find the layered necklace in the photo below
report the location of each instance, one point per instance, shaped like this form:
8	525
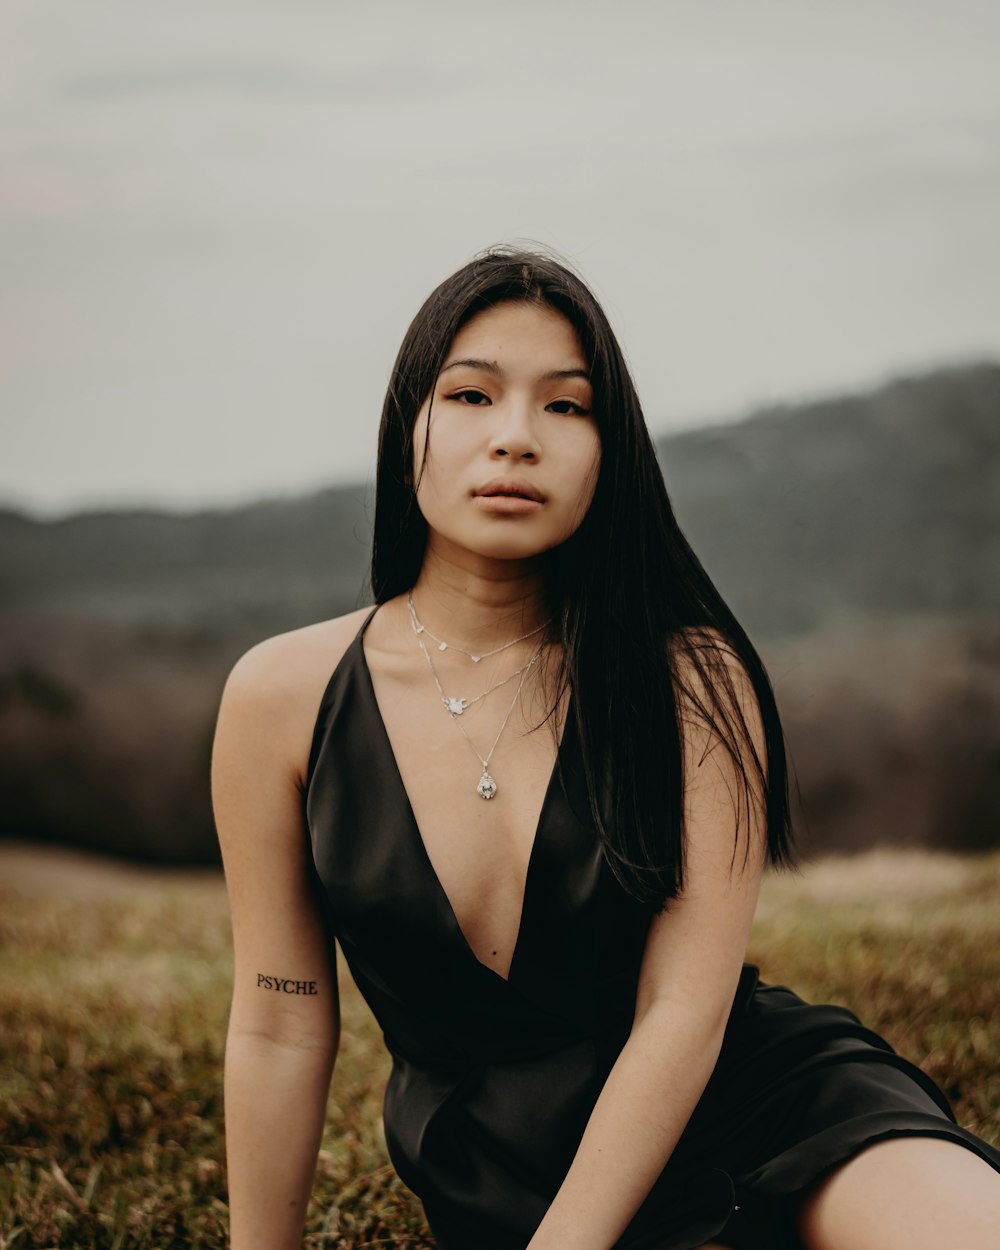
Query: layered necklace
455	706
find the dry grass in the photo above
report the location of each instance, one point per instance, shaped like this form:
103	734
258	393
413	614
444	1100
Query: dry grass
114	987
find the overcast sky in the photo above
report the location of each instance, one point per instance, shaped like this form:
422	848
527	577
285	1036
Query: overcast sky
217	217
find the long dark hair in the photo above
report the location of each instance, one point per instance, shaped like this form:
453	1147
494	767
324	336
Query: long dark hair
636	616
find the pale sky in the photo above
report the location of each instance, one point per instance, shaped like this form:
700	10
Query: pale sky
217	218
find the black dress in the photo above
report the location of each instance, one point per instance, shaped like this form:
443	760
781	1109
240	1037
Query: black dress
493	1079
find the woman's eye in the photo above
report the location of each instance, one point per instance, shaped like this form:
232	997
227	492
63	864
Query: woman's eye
566	406
476	398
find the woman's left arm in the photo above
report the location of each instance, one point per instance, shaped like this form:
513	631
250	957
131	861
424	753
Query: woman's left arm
690	969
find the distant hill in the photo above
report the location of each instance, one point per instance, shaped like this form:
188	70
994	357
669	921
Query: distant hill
888	502
857	538
274	560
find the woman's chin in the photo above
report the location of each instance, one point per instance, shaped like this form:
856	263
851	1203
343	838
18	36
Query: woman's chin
516	547
508	551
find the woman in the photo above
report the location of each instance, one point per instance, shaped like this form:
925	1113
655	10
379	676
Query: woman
533	803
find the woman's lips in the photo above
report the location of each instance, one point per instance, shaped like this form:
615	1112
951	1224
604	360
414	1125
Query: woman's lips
509	505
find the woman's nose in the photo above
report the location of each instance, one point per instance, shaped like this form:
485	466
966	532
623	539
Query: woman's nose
514	434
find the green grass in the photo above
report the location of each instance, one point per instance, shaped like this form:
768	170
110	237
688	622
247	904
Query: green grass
114	1013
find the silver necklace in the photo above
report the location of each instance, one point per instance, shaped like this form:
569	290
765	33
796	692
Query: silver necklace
454	704
420	628
487	786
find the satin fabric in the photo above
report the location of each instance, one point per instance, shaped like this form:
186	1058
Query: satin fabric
493	1080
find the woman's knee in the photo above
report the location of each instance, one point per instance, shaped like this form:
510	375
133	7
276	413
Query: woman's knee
905	1192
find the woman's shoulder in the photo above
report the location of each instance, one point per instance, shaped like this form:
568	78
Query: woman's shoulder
279	682
709	644
710	672
278	659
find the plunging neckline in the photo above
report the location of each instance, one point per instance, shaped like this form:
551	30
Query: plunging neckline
421	845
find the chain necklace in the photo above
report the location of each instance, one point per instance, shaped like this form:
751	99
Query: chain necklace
456	706
420	628
487	786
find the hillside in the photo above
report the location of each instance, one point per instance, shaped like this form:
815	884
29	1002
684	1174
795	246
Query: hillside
880	503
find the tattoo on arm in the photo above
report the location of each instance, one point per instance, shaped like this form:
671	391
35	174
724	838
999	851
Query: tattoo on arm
283	985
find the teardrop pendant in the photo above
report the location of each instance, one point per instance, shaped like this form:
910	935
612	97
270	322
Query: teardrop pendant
487	787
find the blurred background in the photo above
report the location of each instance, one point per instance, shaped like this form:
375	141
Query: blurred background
217	219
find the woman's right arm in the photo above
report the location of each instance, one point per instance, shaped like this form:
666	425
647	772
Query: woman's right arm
285	1018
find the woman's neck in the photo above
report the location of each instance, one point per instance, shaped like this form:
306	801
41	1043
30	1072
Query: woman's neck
478	605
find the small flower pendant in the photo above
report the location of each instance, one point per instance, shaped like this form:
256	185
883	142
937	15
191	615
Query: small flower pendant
487	786
455	706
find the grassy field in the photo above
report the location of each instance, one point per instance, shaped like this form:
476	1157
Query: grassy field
114	987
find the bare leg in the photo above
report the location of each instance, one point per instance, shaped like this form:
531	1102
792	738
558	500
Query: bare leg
907	1193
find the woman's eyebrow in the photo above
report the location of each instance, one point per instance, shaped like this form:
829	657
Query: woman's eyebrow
488	366
556	374
491	366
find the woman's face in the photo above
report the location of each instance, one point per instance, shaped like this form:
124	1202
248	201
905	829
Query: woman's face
514	450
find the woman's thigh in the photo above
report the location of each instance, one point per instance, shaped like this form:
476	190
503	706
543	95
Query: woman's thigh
906	1193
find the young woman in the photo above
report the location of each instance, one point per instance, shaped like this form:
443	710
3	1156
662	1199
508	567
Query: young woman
532	792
